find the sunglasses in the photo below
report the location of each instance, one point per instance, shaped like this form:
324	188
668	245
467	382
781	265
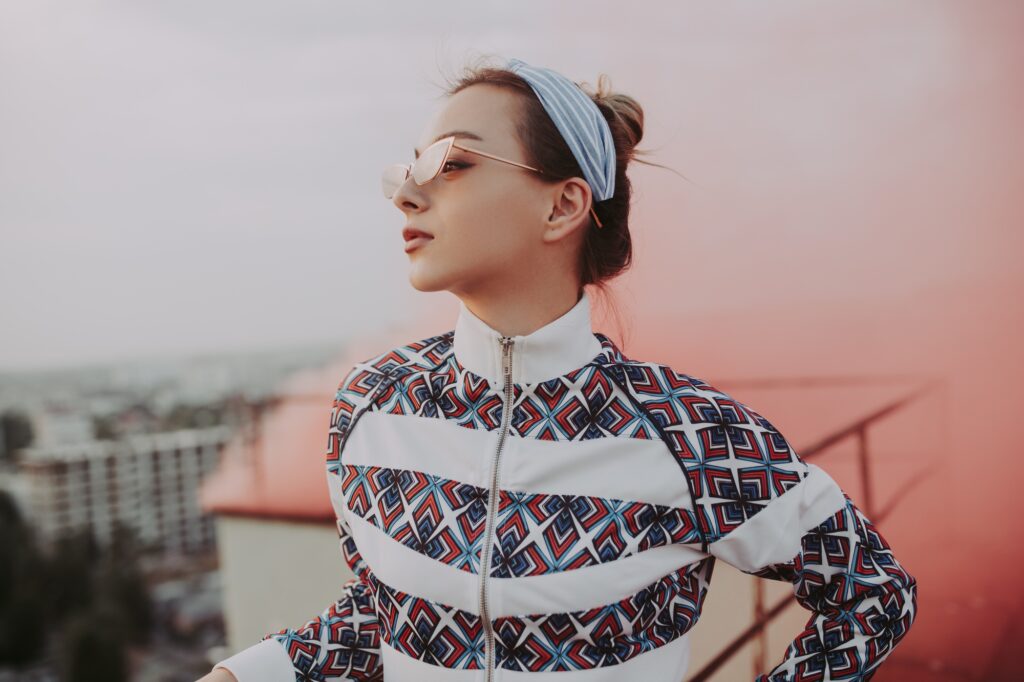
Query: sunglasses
428	165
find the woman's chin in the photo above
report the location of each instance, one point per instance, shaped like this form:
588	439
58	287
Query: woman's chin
423	280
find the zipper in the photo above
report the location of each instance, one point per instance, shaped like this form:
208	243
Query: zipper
492	503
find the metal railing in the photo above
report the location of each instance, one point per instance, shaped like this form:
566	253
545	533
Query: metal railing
857	430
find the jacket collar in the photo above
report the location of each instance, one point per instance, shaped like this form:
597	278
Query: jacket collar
560	346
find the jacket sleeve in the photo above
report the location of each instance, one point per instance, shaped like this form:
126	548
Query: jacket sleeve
343	642
863	601
772	515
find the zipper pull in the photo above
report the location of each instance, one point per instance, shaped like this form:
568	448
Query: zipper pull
506	360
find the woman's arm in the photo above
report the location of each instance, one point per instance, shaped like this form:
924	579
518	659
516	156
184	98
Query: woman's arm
772	515
863	600
342	643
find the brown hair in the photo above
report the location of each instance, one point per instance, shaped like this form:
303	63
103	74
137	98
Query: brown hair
607	251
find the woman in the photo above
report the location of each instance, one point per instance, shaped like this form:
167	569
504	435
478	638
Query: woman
597	490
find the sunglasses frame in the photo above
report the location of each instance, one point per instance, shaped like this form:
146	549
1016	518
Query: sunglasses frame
450	144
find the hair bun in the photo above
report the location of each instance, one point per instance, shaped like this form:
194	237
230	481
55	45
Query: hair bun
624	114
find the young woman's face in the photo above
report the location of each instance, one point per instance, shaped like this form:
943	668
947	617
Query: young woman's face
486	217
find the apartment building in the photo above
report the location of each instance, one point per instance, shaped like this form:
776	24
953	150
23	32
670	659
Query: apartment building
149	483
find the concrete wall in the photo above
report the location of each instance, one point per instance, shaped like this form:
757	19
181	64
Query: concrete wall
276	574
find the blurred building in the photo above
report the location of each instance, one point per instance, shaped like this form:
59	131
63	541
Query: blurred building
149	483
60	425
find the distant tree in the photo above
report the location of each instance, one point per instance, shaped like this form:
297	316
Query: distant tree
207	415
95	599
15	432
71	566
91	648
186	416
103	428
178	417
23	589
120	581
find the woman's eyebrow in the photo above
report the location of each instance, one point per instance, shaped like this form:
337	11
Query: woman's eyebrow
456	133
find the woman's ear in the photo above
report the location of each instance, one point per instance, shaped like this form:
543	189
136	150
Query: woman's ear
569	208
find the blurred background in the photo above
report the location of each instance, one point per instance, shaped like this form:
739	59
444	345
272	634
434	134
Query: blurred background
194	249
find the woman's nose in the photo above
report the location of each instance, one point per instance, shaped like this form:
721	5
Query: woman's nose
408	196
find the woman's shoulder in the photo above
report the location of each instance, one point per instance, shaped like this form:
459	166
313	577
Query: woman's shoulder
396	361
684	396
656	375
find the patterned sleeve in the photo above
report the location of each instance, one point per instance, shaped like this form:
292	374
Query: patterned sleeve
769	513
343	642
863	600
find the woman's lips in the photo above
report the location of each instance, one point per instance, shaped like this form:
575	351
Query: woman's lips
416	242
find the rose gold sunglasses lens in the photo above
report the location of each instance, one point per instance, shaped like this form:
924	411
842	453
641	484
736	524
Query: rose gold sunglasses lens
393	178
429	162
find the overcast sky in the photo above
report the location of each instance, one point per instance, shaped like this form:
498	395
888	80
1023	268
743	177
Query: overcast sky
183	176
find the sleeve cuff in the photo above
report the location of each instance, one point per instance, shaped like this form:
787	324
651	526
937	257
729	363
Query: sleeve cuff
263	662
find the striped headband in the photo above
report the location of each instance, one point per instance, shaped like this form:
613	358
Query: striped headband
579	121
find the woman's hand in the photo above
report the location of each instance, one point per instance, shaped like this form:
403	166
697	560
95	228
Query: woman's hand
218	675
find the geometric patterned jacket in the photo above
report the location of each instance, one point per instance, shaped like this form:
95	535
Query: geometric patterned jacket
542	507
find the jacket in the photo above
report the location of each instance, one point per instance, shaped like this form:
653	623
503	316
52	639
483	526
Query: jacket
598	491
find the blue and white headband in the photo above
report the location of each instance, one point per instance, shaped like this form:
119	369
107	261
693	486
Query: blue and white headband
579	120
